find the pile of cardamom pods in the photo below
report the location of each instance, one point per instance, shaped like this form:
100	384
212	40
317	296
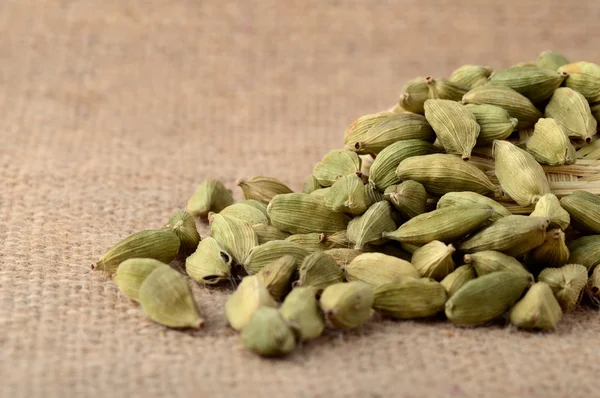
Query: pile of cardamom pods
474	197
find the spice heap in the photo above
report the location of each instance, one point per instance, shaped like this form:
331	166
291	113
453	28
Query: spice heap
474	197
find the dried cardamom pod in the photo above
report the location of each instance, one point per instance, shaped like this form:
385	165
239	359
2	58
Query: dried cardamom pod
442	173
363	124
320	193
154	243
211	195
347	305
277	276
268	334
299	213
446	224
183	225
537	84
537	310
236	236
593	287
445	89
572	112
494	121
457	278
520	175
549	207
584	208
383	170
245	212
551	60
549	144
471	76
250	295
553	253
210	263
408	198
512	235
268	252
267	233
488	261
373	195
486	297
583	77
311	184
434	260
414	95
262	188
167	299
311	242
319	270
596	111
390	248
567	283
257	205
301	311
517	105
343	257
473	199
347	195
410	298
377	269
585	251
369	227
335	164
455	126
338	240
132	273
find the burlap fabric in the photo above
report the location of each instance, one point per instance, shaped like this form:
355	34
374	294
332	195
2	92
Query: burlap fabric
112	111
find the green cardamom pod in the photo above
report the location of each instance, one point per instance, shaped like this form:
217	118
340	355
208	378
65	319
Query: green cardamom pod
553	253
372	194
445	89
584	208
347	195
488	261
236	236
567	283
311	184
537	310
549	207
211	195
537	84
473	199
593	287
595	109
471	76
132	273
262	188
369	227
583	77
377	269
585	251
311	242
457	278
267	233
408	198
410	298
245	212
335	164
250	295
414	95
210	263
572	112
319	270
434	260
338	240
551	60
495	123
268	334
347	305
277	276
183	225
301	311
550	145
268	252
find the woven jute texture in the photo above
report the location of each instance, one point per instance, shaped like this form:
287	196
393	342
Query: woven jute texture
111	112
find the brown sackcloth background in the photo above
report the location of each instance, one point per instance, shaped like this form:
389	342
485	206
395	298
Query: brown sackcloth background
111	112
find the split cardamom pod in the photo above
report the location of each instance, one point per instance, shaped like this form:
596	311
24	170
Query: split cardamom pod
347	305
537	310
132	273
410	298
250	295
262	189
572	112
301	311
369	227
567	283
268	334
236	236
584	208
378	268
211	195
210	263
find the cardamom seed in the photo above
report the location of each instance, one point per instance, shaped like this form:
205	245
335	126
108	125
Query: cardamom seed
211	195
369	227
183	225
319	270
268	334
347	195
301	311
347	305
262	188
471	76
210	263
377	269
550	145
434	260
408	198
457	278
268	252
277	276
537	310
335	164
572	112
410	298
250	295
567	283
236	236
132	273
549	207
584	208
585	251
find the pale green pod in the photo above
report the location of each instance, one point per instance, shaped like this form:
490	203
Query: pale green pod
343	257
262	188
445	89
583	77
250	295
347	305
210	263
268	334
471	76
319	270
473	199
414	95
550	145
132	273
311	184
567	283
369	227
267	233
488	261
537	84
154	243
585	251
495	123
549	207
408	198
211	195
335	164
268	252
301	311
363	124
377	269
434	260
572	112
236	236
457	278
486	298
538	309
553	253
257	205
338	240
166	298
311	242
551	60
245	212
593	287
277	276
320	193
347	195
410	298
584	208
183	225
595	109
373	195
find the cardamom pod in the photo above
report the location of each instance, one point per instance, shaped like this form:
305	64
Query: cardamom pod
593	287
583	77
267	233
377	269
537	310
183	225
311	242
595	109
211	195
584	208
551	60
268	252
537	84
320	193
549	207
347	305
553	253
132	273
471	76
319	270
338	240
567	283
245	212
277	276
572	112
495	123
372	194
550	145
301	311
335	164
414	95
408	198
343	257
488	261
434	260
210	263
585	251
390	248
369	227
257	205
347	195
410	298
457	278
268	334
445	89
311	184
473	199
250	295
262	188
236	236
363	124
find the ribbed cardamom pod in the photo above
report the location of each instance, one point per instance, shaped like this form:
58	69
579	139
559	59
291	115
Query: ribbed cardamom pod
183	225
567	283
343	257
572	112
268	334
410	298
277	276
549	207
434	260
257	205
445	89
319	270
537	310
583	77
455	126
132	273
245	212
520	175
537	84
210	263
446	224
584	208
383	170
551	60
311	242
154	243
250	295
311	184
550	145
442	173
338	240
553	253
512	235
596	111
414	95
268	252
335	164
457	278
585	251
320	193
301	311
488	261
299	213
267	233
473	199
347	195
471	76
262	188
236	236
517	105
593	287
363	124
347	305
167	299
373	195
395	127
408	198
494	121
369	227
486	298
524	63
377	269
210	195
